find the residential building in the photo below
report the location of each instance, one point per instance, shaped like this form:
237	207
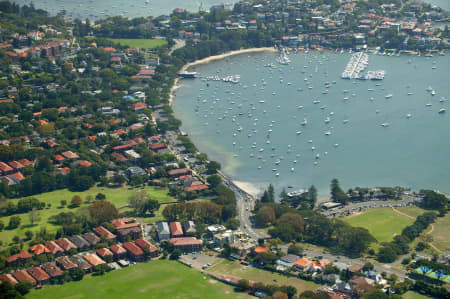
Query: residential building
91	238
52	269
187	244
134	252
8	278
94	259
23	275
303	264
54	248
175	229
127	227
104	252
189	227
81	263
288	261
66	244
81	243
39	275
19	257
224	238
65	263
142	243
39	249
118	251
162	228
101	231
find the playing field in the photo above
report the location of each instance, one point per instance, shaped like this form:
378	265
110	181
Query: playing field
382	223
118	196
413	295
236	270
155	279
140	42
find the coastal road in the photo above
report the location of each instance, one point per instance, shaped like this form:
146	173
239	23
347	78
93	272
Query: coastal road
179	43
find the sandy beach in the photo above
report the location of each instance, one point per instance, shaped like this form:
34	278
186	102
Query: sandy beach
209	59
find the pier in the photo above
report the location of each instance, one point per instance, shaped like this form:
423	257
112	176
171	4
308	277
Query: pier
358	62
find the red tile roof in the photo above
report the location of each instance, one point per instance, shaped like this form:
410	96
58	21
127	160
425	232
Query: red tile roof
53	247
23	255
157	146
38	274
18	176
185	241
16	165
122	147
109	49
119	157
66	244
175	229
144	243
39	249
180	171
70	155
124	223
8	278
22	275
260	249
101	231
5	167
25	162
59	158
93	259
85	163
52	269
117	249
132	248
65	263
196	188
103	252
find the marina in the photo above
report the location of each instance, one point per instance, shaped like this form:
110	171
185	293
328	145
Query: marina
357	64
284	123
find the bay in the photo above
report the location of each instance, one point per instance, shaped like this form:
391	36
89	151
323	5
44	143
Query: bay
411	151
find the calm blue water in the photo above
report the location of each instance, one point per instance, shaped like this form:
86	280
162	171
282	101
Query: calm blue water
95	9
445	4
359	151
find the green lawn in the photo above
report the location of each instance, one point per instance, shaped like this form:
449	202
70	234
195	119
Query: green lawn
118	196
413	295
382	223
413	211
441	233
140	43
235	269
155	279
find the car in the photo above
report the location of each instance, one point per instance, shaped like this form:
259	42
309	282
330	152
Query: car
194	257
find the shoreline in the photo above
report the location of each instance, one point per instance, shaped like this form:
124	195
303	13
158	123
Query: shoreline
209	59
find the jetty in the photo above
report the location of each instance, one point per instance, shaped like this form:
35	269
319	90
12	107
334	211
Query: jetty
358	62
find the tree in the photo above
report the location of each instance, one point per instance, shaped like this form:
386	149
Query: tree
368	266
265	258
386	254
103	211
375	294
337	194
77	274
24	287
100	196
279	295
433	200
212	167
271	193
294	220
214	180
29	234
175	254
243	285
2	225
7	291
265	216
311	197
63	203
34	216
294	249
76	201
14	222
290	291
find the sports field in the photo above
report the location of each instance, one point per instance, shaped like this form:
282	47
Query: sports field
382	223
236	270
441	233
155	279
118	196
140	43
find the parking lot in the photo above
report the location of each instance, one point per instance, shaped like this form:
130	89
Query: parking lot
198	260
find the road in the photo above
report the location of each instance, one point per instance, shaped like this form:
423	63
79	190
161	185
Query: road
179	43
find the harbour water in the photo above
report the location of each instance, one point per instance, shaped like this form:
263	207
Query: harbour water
100	9
301	124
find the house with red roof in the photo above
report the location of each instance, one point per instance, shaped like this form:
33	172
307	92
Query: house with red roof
175	229
5	169
59	159
65	263
119	157
16	165
66	244
157	147
303	264
19	257
260	249
23	275
104	252
84	163
134	252
127	227
103	232
118	251
8	278
94	259
39	275
142	243
179	172
54	248
25	162
70	155
139	106
39	249
52	270
187	244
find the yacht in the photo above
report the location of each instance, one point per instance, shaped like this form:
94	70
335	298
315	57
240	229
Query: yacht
388	96
384	125
298	132
428	104
433	93
409	115
442	110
